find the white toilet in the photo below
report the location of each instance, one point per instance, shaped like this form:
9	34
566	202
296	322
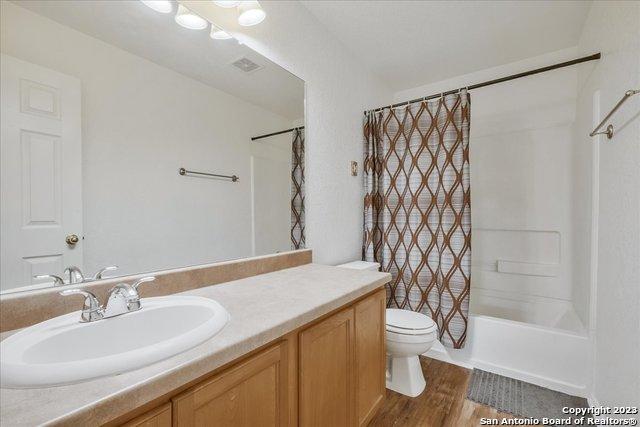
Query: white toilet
409	334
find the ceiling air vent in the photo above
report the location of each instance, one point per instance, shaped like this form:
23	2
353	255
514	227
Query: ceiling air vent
246	65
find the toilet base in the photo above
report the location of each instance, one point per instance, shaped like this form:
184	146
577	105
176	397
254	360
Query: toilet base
405	376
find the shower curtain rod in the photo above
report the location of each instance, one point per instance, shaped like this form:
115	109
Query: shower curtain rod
275	133
494	81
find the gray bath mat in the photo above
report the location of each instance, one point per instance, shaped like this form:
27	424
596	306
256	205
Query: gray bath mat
518	397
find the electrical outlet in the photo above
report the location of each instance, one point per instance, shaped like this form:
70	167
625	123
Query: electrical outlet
354	168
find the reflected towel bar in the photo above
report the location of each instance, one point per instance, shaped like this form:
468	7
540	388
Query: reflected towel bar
183	171
609	131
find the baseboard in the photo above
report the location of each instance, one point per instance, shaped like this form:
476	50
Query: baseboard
561	386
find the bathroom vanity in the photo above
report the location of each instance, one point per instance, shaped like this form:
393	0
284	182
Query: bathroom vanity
328	372
303	346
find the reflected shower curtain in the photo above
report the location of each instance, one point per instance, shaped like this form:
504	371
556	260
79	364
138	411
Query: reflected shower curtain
297	190
417	215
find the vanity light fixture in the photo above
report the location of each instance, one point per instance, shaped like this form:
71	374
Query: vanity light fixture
190	20
162	6
218	33
227	3
250	13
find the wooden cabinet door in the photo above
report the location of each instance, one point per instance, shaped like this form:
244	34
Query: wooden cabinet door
327	372
253	393
159	417
370	355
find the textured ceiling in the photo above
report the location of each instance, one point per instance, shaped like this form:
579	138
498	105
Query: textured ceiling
132	26
411	43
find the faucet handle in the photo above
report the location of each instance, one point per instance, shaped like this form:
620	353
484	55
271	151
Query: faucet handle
57	280
124	298
99	274
92	310
141	281
75	274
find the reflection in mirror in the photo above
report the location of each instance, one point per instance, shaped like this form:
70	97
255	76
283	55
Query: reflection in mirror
103	103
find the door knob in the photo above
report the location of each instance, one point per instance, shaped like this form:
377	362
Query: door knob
72	239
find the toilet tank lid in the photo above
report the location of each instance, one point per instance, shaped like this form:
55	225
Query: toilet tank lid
408	320
361	265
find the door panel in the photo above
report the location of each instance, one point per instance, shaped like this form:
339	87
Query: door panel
159	417
254	393
41	169
327	381
41	176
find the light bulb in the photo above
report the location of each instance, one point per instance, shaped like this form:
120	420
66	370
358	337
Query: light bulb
189	20
162	6
227	3
218	33
250	13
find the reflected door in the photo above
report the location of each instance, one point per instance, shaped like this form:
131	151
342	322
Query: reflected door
41	172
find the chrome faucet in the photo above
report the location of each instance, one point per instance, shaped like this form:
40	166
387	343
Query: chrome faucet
57	280
123	298
75	275
100	273
91	310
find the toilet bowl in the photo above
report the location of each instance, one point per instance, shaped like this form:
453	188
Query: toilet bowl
409	334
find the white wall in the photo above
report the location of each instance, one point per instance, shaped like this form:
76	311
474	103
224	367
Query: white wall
338	90
140	123
613	28
522	183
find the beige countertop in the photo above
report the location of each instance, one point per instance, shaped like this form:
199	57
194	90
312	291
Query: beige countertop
262	308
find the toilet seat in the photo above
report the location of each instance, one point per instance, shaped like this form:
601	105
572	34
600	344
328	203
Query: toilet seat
411	339
405	322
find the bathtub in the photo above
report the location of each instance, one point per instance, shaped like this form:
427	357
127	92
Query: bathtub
539	340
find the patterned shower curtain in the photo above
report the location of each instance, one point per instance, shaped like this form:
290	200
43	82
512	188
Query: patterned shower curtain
297	190
417	215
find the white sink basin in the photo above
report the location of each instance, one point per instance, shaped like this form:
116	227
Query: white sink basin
62	350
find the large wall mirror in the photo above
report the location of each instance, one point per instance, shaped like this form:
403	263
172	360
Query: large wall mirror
102	104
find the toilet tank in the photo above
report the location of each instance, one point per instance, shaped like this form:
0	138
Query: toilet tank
361	265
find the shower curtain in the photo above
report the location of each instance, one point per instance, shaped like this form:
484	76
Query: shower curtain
417	215
297	190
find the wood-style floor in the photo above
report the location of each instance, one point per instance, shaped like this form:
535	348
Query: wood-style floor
442	403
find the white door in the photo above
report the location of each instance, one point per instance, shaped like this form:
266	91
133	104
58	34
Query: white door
40	187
